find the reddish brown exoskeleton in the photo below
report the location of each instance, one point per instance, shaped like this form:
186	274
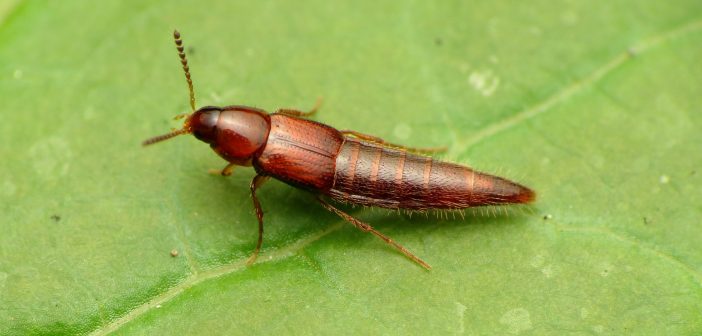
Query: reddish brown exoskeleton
347	166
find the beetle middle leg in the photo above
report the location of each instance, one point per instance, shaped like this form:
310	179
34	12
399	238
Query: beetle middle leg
380	141
298	113
257	181
367	228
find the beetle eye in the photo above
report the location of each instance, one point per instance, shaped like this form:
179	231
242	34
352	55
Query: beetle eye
209	118
203	123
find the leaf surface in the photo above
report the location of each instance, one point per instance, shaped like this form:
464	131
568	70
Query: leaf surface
595	106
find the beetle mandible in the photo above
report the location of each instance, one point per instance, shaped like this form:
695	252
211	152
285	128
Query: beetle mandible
346	166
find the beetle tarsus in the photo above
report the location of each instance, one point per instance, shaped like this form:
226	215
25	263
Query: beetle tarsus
227	171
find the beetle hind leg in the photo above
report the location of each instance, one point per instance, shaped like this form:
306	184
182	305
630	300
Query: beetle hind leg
298	113
377	140
365	227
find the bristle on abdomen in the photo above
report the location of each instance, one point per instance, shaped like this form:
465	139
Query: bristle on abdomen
370	174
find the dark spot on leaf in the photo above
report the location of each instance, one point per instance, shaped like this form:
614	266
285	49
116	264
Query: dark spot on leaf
438	41
55	218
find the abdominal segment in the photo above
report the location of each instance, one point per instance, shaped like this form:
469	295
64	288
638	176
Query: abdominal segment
374	175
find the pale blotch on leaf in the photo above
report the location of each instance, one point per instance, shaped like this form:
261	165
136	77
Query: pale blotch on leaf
664	179
569	18
402	131
537	261
547	270
460	311
89	113
584	313
598	161
484	81
51	158
516	320
3	279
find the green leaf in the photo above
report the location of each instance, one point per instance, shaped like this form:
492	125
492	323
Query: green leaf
594	105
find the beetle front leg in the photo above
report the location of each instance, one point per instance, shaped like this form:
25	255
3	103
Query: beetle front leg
257	181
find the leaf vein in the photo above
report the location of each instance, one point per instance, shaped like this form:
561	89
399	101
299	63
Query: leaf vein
198	278
645	45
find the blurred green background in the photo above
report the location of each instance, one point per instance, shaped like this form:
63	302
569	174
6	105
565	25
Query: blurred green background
595	105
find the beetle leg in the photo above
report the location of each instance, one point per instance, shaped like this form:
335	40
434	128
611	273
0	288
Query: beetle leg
255	184
226	171
298	113
367	228
380	141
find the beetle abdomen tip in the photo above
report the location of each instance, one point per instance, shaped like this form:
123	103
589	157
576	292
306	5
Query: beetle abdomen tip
526	195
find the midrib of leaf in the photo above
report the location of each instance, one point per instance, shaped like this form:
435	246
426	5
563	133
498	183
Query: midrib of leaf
461	146
200	277
637	49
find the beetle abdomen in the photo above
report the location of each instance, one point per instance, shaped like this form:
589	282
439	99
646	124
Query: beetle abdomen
374	175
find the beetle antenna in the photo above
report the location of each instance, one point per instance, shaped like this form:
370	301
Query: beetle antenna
166	136
186	69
